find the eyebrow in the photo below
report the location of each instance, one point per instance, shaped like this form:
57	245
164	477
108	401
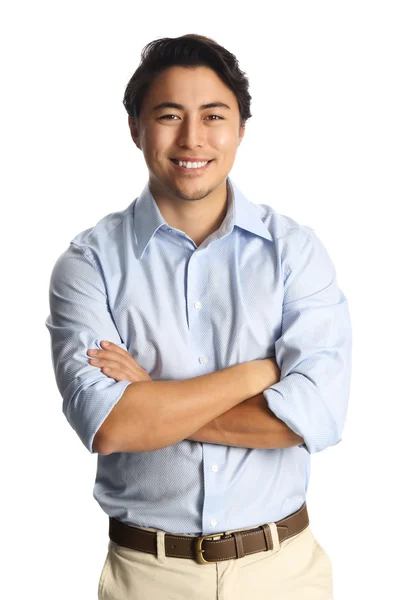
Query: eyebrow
181	107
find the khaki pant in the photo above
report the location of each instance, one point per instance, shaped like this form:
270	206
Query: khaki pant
297	569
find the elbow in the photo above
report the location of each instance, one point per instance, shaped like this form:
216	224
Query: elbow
87	403
118	439
115	436
107	440
129	428
99	444
321	439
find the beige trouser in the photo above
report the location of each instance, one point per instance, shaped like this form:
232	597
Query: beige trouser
297	569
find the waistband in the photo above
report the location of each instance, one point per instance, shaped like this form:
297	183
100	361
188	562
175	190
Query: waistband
206	548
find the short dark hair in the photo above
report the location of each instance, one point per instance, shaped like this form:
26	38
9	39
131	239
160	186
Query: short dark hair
190	50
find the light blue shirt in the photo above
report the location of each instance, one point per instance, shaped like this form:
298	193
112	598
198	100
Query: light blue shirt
260	286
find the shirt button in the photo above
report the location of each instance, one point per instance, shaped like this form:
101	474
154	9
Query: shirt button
203	360
213	522
214	468
197	304
170	230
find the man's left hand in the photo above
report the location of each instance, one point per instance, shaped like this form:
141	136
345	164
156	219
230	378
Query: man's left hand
117	363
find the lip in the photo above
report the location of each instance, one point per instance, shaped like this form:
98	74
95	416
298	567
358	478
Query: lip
190	159
196	171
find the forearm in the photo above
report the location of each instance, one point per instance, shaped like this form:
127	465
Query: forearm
156	414
250	424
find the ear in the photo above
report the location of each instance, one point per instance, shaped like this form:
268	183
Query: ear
241	133
134	129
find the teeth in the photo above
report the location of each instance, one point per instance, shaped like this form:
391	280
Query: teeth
193	165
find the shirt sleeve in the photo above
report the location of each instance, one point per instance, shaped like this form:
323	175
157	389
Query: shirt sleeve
80	319
314	350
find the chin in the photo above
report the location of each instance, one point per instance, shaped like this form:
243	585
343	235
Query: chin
189	190
194	194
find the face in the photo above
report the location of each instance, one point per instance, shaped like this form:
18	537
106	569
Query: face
189	131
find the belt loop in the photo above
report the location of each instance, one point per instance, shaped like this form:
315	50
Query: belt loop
272	537
161	546
239	544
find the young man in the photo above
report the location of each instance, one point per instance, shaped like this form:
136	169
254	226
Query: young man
228	358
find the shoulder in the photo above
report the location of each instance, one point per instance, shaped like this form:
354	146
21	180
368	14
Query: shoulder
285	231
106	232
97	247
297	245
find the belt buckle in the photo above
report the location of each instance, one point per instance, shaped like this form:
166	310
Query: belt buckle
199	550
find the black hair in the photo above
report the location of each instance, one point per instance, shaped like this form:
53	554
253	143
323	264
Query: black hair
190	50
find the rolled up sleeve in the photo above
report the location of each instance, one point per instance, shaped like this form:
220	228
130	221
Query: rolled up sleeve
80	319
314	348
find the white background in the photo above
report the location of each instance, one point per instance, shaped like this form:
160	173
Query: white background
322	147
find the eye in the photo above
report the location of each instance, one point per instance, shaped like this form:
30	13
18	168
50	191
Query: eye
217	117
165	116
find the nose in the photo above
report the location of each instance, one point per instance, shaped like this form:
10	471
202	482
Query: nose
191	133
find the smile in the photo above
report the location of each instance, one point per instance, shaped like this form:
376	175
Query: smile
194	170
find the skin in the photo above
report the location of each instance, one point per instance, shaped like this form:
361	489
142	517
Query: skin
250	424
195	204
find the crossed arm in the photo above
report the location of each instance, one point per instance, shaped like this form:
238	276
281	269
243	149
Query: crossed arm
250	424
310	395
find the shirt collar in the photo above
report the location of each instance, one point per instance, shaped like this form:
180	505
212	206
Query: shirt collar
241	212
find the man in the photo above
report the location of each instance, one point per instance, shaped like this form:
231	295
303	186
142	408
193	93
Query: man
202	348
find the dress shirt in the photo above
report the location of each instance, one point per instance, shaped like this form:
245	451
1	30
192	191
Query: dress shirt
260	286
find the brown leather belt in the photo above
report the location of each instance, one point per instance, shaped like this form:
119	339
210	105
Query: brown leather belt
204	549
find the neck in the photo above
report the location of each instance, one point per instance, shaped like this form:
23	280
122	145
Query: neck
198	217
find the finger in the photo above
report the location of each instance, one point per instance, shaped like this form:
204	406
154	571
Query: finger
120	375
116	374
121	358
120	352
106	345
111	364
114	357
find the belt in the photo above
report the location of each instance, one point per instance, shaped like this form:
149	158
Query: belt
205	549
